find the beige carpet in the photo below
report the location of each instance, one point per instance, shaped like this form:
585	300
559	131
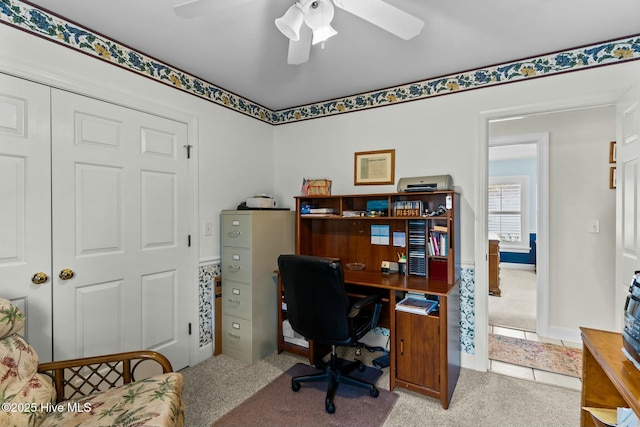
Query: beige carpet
538	355
516	307
277	405
217	385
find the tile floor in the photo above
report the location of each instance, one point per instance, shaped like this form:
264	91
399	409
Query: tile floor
530	373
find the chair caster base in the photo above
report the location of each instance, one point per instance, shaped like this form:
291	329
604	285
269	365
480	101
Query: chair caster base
330	407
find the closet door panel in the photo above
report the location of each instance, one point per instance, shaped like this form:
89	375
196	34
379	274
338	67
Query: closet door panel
25	208
118	182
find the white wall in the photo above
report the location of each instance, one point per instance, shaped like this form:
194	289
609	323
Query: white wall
582	264
234	152
441	135
239	156
232	155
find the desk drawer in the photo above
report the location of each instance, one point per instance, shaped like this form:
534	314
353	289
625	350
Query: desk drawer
236	230
236	336
236	299
236	264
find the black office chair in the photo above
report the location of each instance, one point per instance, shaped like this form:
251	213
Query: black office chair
318	309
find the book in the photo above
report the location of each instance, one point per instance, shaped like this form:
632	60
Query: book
417	305
321	210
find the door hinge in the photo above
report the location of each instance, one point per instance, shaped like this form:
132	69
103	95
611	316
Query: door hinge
189	328
188	147
189	240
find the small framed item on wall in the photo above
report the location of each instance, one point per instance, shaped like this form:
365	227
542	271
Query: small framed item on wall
612	152
612	177
374	167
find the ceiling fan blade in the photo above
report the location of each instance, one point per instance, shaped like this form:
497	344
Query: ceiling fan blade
385	16
299	50
193	8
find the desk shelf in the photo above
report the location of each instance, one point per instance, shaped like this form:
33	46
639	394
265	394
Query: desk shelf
349	239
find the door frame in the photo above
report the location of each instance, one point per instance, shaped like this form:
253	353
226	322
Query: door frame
481	277
99	90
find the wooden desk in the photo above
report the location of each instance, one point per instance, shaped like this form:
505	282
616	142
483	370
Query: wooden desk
424	350
609	379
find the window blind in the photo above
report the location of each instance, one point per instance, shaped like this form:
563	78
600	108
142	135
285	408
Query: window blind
505	211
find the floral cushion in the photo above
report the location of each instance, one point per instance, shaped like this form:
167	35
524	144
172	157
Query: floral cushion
11	319
155	401
24	394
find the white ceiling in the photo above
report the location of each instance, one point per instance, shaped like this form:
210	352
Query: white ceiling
239	49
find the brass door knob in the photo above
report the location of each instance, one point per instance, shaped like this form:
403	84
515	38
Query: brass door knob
66	274
39	278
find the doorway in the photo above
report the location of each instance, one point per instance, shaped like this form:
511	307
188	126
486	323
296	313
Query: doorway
575	147
512	221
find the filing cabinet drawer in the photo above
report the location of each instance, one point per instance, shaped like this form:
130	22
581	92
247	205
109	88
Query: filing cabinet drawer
236	230
236	336
236	299
236	264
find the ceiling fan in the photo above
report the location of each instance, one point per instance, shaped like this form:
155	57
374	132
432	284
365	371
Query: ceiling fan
316	15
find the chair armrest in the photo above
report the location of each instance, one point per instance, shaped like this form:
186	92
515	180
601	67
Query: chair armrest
362	303
84	376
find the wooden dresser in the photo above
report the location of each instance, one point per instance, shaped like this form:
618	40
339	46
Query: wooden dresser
494	268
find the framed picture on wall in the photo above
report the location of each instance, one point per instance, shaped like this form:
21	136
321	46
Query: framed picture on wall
612	177
612	152
374	167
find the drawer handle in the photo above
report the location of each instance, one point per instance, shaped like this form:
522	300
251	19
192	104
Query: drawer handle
402	347
234	301
233	335
234	268
234	233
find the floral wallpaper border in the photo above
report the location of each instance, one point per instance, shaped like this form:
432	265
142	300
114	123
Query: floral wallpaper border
208	273
54	28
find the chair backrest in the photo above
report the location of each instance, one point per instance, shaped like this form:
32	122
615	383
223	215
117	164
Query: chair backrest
317	304
20	383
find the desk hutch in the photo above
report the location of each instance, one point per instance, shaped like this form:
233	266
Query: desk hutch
424	350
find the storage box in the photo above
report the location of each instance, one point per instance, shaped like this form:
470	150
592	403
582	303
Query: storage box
316	187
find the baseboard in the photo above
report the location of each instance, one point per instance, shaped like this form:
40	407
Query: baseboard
515	266
564	334
470	361
202	354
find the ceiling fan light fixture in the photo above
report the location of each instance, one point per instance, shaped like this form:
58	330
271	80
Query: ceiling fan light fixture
291	22
318	15
322	34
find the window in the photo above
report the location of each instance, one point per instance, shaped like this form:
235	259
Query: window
509	211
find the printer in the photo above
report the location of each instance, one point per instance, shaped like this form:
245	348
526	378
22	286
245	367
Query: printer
631	331
261	201
425	183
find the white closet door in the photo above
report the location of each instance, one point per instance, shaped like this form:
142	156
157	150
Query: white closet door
120	225
627	196
25	205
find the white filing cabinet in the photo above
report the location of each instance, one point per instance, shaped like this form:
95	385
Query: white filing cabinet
252	240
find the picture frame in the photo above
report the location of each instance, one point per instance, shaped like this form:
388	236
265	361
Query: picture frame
612	152
612	177
374	167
